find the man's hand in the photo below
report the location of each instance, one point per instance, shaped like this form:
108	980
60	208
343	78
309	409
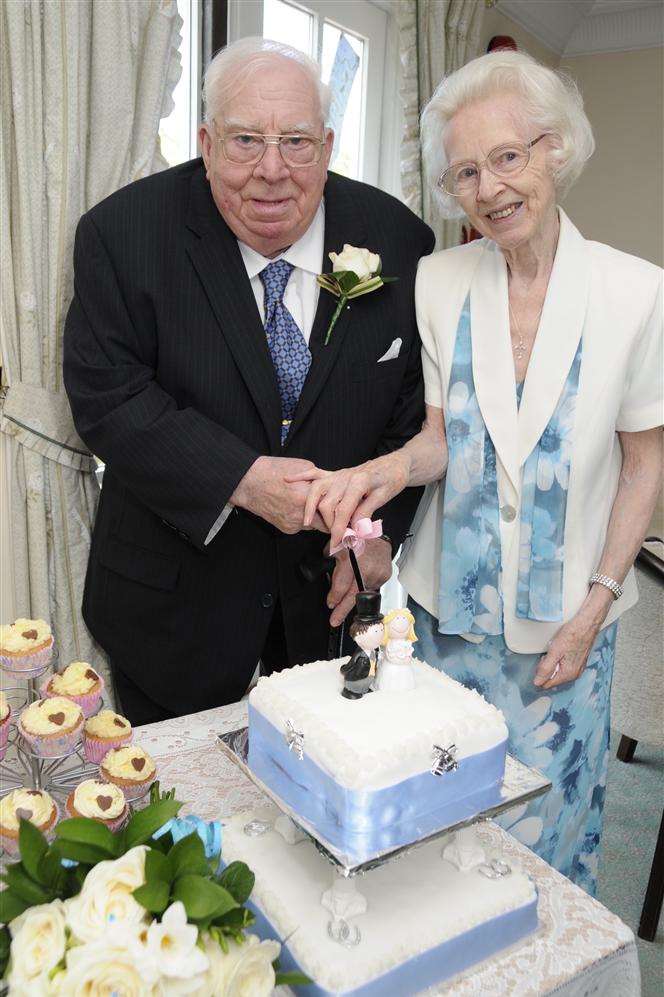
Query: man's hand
265	492
376	567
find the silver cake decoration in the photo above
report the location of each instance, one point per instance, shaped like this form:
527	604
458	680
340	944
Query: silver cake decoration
444	759
495	869
294	739
345	934
255	828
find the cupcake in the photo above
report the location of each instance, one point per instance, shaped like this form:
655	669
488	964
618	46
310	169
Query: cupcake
105	731
5	719
101	801
34	805
131	768
78	682
51	727
25	645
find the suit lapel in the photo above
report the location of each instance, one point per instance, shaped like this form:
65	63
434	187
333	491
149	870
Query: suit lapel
493	366
344	222
215	254
558	336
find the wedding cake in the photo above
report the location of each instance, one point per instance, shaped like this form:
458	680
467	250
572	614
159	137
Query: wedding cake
374	774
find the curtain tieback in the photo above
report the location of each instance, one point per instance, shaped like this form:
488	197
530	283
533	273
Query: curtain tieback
41	420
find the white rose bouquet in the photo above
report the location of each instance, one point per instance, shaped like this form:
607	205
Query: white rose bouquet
148	910
355	272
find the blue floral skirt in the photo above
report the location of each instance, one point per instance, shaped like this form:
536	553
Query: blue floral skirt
564	732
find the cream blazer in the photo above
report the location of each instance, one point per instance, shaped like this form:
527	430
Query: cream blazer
611	299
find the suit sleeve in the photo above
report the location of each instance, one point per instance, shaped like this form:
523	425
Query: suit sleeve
406	422
180	464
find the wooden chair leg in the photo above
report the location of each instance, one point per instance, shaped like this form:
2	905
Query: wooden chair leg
626	749
652	905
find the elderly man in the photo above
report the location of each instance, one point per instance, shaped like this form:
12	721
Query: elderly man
197	369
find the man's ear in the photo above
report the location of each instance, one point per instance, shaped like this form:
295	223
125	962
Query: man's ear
329	144
206	139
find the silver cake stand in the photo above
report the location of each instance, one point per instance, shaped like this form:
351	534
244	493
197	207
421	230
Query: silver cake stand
520	784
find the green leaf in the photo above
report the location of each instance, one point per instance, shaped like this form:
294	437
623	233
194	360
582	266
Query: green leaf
32	846
11	906
87	854
24	886
50	872
5	943
202	898
234	920
366	287
291	979
153	896
347	280
188	856
144	823
239	880
158	867
85	831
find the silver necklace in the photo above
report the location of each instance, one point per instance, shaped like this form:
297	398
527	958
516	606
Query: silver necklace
520	348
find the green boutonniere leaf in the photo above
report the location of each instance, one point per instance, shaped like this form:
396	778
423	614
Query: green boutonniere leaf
239	880
188	856
154	896
85	831
202	898
24	886
158	867
144	823
11	906
32	846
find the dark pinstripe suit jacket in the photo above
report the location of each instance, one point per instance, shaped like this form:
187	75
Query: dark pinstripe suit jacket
171	383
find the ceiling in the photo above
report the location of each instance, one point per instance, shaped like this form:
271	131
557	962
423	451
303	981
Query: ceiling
579	27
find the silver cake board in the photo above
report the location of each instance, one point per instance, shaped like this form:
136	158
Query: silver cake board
520	784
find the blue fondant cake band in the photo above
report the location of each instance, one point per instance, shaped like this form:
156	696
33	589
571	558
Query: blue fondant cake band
422	971
364	823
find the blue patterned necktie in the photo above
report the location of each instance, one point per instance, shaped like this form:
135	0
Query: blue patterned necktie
289	351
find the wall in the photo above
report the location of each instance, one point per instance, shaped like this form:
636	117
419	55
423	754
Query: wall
497	23
619	199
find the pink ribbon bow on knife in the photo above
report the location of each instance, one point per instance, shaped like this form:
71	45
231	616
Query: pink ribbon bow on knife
355	539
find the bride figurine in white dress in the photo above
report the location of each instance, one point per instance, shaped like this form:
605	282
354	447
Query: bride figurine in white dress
394	671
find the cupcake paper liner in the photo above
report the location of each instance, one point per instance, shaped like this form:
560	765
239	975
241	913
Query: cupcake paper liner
113	825
96	749
133	792
88	701
33	662
51	747
10	845
4	734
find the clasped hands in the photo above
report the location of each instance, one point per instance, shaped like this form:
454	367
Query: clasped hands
293	494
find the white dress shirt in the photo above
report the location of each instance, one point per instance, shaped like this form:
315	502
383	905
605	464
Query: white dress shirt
300	296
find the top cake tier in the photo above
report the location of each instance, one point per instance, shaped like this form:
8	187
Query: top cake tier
383	738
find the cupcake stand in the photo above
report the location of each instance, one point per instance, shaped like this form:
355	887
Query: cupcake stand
57	775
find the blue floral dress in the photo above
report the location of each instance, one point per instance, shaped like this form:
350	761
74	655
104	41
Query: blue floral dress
564	731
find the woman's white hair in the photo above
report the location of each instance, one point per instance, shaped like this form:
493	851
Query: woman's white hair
235	64
551	103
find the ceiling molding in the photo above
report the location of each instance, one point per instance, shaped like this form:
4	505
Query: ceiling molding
621	30
585	27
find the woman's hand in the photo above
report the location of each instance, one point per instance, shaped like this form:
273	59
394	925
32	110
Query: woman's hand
568	652
341	497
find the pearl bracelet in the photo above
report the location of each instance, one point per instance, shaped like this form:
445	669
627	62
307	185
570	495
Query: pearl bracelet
608	583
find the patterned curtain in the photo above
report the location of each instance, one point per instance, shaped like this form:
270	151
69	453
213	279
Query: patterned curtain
83	88
435	38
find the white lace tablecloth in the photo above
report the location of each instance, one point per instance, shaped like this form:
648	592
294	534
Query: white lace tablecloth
581	948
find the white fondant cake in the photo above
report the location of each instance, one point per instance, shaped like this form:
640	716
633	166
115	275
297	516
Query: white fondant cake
359	772
425	919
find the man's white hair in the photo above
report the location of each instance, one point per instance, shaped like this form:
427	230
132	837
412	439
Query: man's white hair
550	102
235	64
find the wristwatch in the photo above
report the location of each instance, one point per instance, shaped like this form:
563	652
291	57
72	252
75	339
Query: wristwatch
607	582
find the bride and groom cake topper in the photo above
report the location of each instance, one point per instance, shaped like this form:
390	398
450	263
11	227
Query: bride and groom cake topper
368	668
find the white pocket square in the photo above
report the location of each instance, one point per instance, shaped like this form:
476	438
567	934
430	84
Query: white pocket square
392	353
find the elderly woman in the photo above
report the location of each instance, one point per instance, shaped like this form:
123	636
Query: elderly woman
543	366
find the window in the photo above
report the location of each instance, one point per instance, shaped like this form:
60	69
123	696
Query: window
178	132
348	40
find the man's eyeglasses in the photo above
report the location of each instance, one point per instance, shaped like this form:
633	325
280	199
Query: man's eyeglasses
248	148
504	161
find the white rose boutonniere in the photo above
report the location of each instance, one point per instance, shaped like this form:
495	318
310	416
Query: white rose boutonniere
355	271
107	897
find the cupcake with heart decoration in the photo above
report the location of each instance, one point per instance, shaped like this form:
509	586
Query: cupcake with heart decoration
5	720
78	682
131	768
34	805
104	731
51	727
102	801
26	645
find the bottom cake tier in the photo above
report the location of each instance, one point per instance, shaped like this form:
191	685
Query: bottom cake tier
425	919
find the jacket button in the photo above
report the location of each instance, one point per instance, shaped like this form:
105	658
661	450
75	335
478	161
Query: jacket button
508	513
267	600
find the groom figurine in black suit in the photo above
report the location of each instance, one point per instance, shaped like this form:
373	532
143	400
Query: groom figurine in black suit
196	368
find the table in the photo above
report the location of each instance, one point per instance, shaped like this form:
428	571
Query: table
580	950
